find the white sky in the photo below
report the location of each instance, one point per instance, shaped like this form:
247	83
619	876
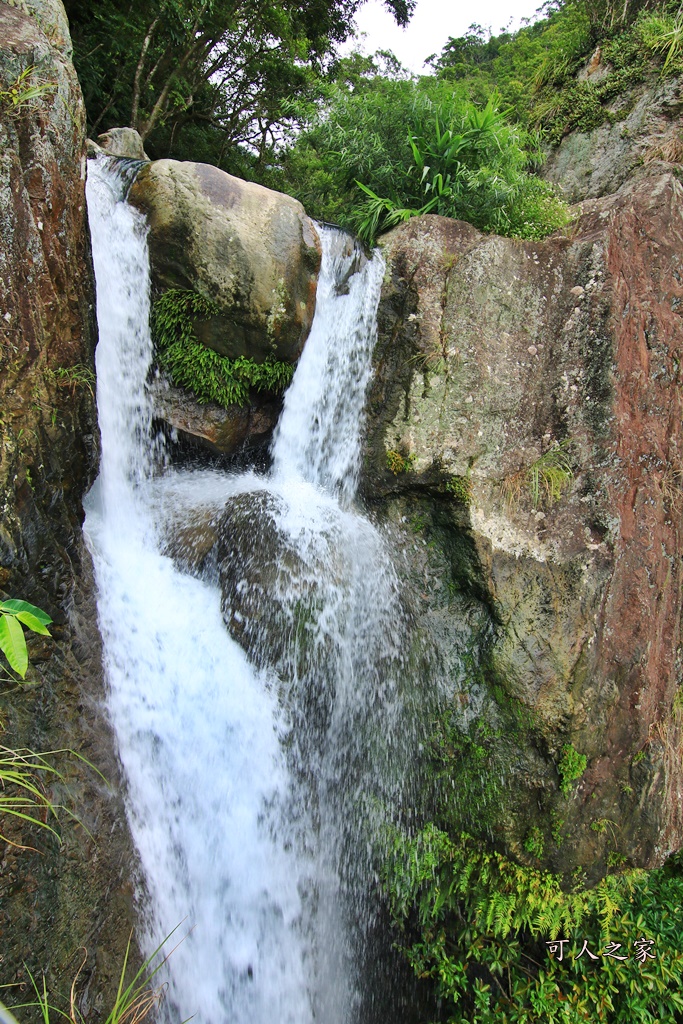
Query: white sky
432	23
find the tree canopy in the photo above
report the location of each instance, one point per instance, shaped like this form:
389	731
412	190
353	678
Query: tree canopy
228	67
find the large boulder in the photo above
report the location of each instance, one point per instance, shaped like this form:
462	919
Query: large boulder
526	421
220	430
252	251
125	142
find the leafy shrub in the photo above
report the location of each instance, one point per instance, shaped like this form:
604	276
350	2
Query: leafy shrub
211	376
469	164
477	926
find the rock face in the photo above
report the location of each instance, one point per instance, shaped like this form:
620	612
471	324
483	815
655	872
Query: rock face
644	127
52	899
252	251
224	431
525	421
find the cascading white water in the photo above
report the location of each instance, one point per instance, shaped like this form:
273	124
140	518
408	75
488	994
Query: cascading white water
253	769
318	436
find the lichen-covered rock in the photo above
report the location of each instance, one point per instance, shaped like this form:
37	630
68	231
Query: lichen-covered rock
525	418
251	251
53	899
644	126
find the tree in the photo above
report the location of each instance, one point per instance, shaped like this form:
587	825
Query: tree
231	68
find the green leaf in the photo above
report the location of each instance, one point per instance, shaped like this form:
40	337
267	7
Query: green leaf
14	606
33	622
13	644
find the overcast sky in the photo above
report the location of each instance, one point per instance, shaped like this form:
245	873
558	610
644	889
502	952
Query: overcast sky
433	22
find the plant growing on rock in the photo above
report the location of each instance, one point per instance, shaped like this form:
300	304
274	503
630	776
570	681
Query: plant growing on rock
461	489
571	767
479	927
211	376
535	842
135	1000
20	92
545	479
398	463
22	790
73	378
13	616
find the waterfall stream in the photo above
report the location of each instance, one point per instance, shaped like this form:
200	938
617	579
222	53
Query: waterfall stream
261	759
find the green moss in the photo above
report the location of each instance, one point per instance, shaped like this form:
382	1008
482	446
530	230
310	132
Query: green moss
461	489
399	463
211	376
535	842
556	826
571	766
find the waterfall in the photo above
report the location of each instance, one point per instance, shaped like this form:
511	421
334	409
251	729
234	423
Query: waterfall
262	759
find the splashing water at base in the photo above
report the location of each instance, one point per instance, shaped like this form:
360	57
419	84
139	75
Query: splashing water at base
257	771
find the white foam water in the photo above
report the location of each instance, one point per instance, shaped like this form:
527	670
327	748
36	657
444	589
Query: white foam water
252	770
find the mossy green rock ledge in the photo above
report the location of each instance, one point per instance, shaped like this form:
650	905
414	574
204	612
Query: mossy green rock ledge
251	251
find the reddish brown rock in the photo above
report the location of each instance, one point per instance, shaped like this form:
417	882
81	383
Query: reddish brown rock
221	430
53	899
492	353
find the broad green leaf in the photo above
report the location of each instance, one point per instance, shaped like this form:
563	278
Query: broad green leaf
33	623
14	606
13	644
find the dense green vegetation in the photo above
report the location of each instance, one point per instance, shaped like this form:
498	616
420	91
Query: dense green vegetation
211	376
259	89
206	77
480	926
466	140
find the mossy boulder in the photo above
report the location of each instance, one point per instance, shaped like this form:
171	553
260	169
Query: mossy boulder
249	250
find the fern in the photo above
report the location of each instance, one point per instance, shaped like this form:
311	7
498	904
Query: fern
211	376
483	922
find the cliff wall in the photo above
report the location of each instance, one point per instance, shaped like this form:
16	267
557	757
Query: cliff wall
56	899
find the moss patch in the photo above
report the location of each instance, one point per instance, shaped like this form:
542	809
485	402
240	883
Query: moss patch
211	376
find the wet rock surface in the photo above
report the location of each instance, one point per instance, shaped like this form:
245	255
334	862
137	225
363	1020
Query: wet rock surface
222	430
53	899
501	363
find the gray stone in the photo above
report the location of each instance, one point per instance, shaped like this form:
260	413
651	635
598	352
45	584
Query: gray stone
122	142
